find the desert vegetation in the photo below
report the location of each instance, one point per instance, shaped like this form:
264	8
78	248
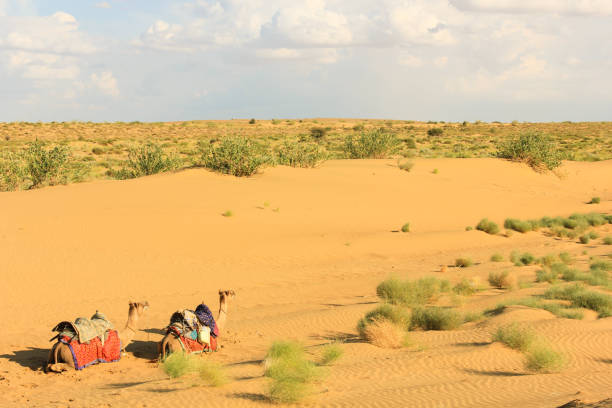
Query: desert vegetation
178	365
84	151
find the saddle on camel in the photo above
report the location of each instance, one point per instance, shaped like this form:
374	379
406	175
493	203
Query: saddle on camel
195	331
86	342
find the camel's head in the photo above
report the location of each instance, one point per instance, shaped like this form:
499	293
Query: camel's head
139	307
227	294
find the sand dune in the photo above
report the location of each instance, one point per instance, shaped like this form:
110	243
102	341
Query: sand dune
304	250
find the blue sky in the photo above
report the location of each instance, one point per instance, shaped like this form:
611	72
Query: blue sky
453	60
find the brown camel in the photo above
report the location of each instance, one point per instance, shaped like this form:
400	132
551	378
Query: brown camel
60	356
170	344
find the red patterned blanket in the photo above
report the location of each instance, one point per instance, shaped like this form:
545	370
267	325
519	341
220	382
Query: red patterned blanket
93	352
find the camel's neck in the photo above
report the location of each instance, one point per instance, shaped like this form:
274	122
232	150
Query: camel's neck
129	331
222	317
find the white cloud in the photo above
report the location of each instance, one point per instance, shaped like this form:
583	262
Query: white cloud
410	61
566	7
106	83
103	4
441	62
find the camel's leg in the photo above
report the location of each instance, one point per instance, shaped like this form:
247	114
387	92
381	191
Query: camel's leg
60	359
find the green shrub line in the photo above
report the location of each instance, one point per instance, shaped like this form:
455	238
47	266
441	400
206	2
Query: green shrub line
536	303
418	292
560	226
579	296
533	148
377	144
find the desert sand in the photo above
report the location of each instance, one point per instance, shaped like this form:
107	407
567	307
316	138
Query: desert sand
304	251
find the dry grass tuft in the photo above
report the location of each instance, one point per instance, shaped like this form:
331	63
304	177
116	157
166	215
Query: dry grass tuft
386	334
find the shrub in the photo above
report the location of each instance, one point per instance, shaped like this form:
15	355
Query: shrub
601	265
518	225
554	308
12	173
497	258
376	144
607	240
501	280
211	374
465	287
435	318
435	131
463	262
385	334
300	155
318	133
417	292
514	336
536	150
547	260
566	258
237	156
97	151
46	166
546	275
523	259
291	373
579	296
406	227
330	354
395	314
584	239
487	226
147	160
252	121
405	165
593	235
228	213
541	358
594	200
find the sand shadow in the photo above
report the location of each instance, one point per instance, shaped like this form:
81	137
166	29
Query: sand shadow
342	337
143	349
604	360
155	331
248	362
348	304
32	358
473	344
251	397
494	373
127	384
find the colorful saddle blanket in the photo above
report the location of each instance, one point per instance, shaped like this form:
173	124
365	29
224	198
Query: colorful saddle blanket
94	352
189	341
83	329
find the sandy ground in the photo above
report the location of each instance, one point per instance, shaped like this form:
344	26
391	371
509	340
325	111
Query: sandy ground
304	251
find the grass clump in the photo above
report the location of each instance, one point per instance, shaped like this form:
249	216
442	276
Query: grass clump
536	303
535	149
405	165
501	280
12	172
410	293
607	240
385	334
514	336
406	227
487	226
435	318
523	259
594	200
330	354
585	239
546	275
566	258
177	365
290	372
376	144
463	262
465	287
579	296
497	258
519	225
237	156
300	155
541	358
394	314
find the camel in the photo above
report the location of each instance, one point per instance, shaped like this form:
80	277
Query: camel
170	344
60	356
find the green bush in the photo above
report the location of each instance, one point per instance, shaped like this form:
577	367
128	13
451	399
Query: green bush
497	258
146	160
566	258
584	239
536	150
300	155
237	156
546	275
97	151
594	200
46	166
487	226
406	227
465	287
518	225
375	144
416	292
514	336
463	262
541	358
252	121
523	259
330	354
395	314
12	172
435	131
435	318
318	133
579	296
501	280
607	240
